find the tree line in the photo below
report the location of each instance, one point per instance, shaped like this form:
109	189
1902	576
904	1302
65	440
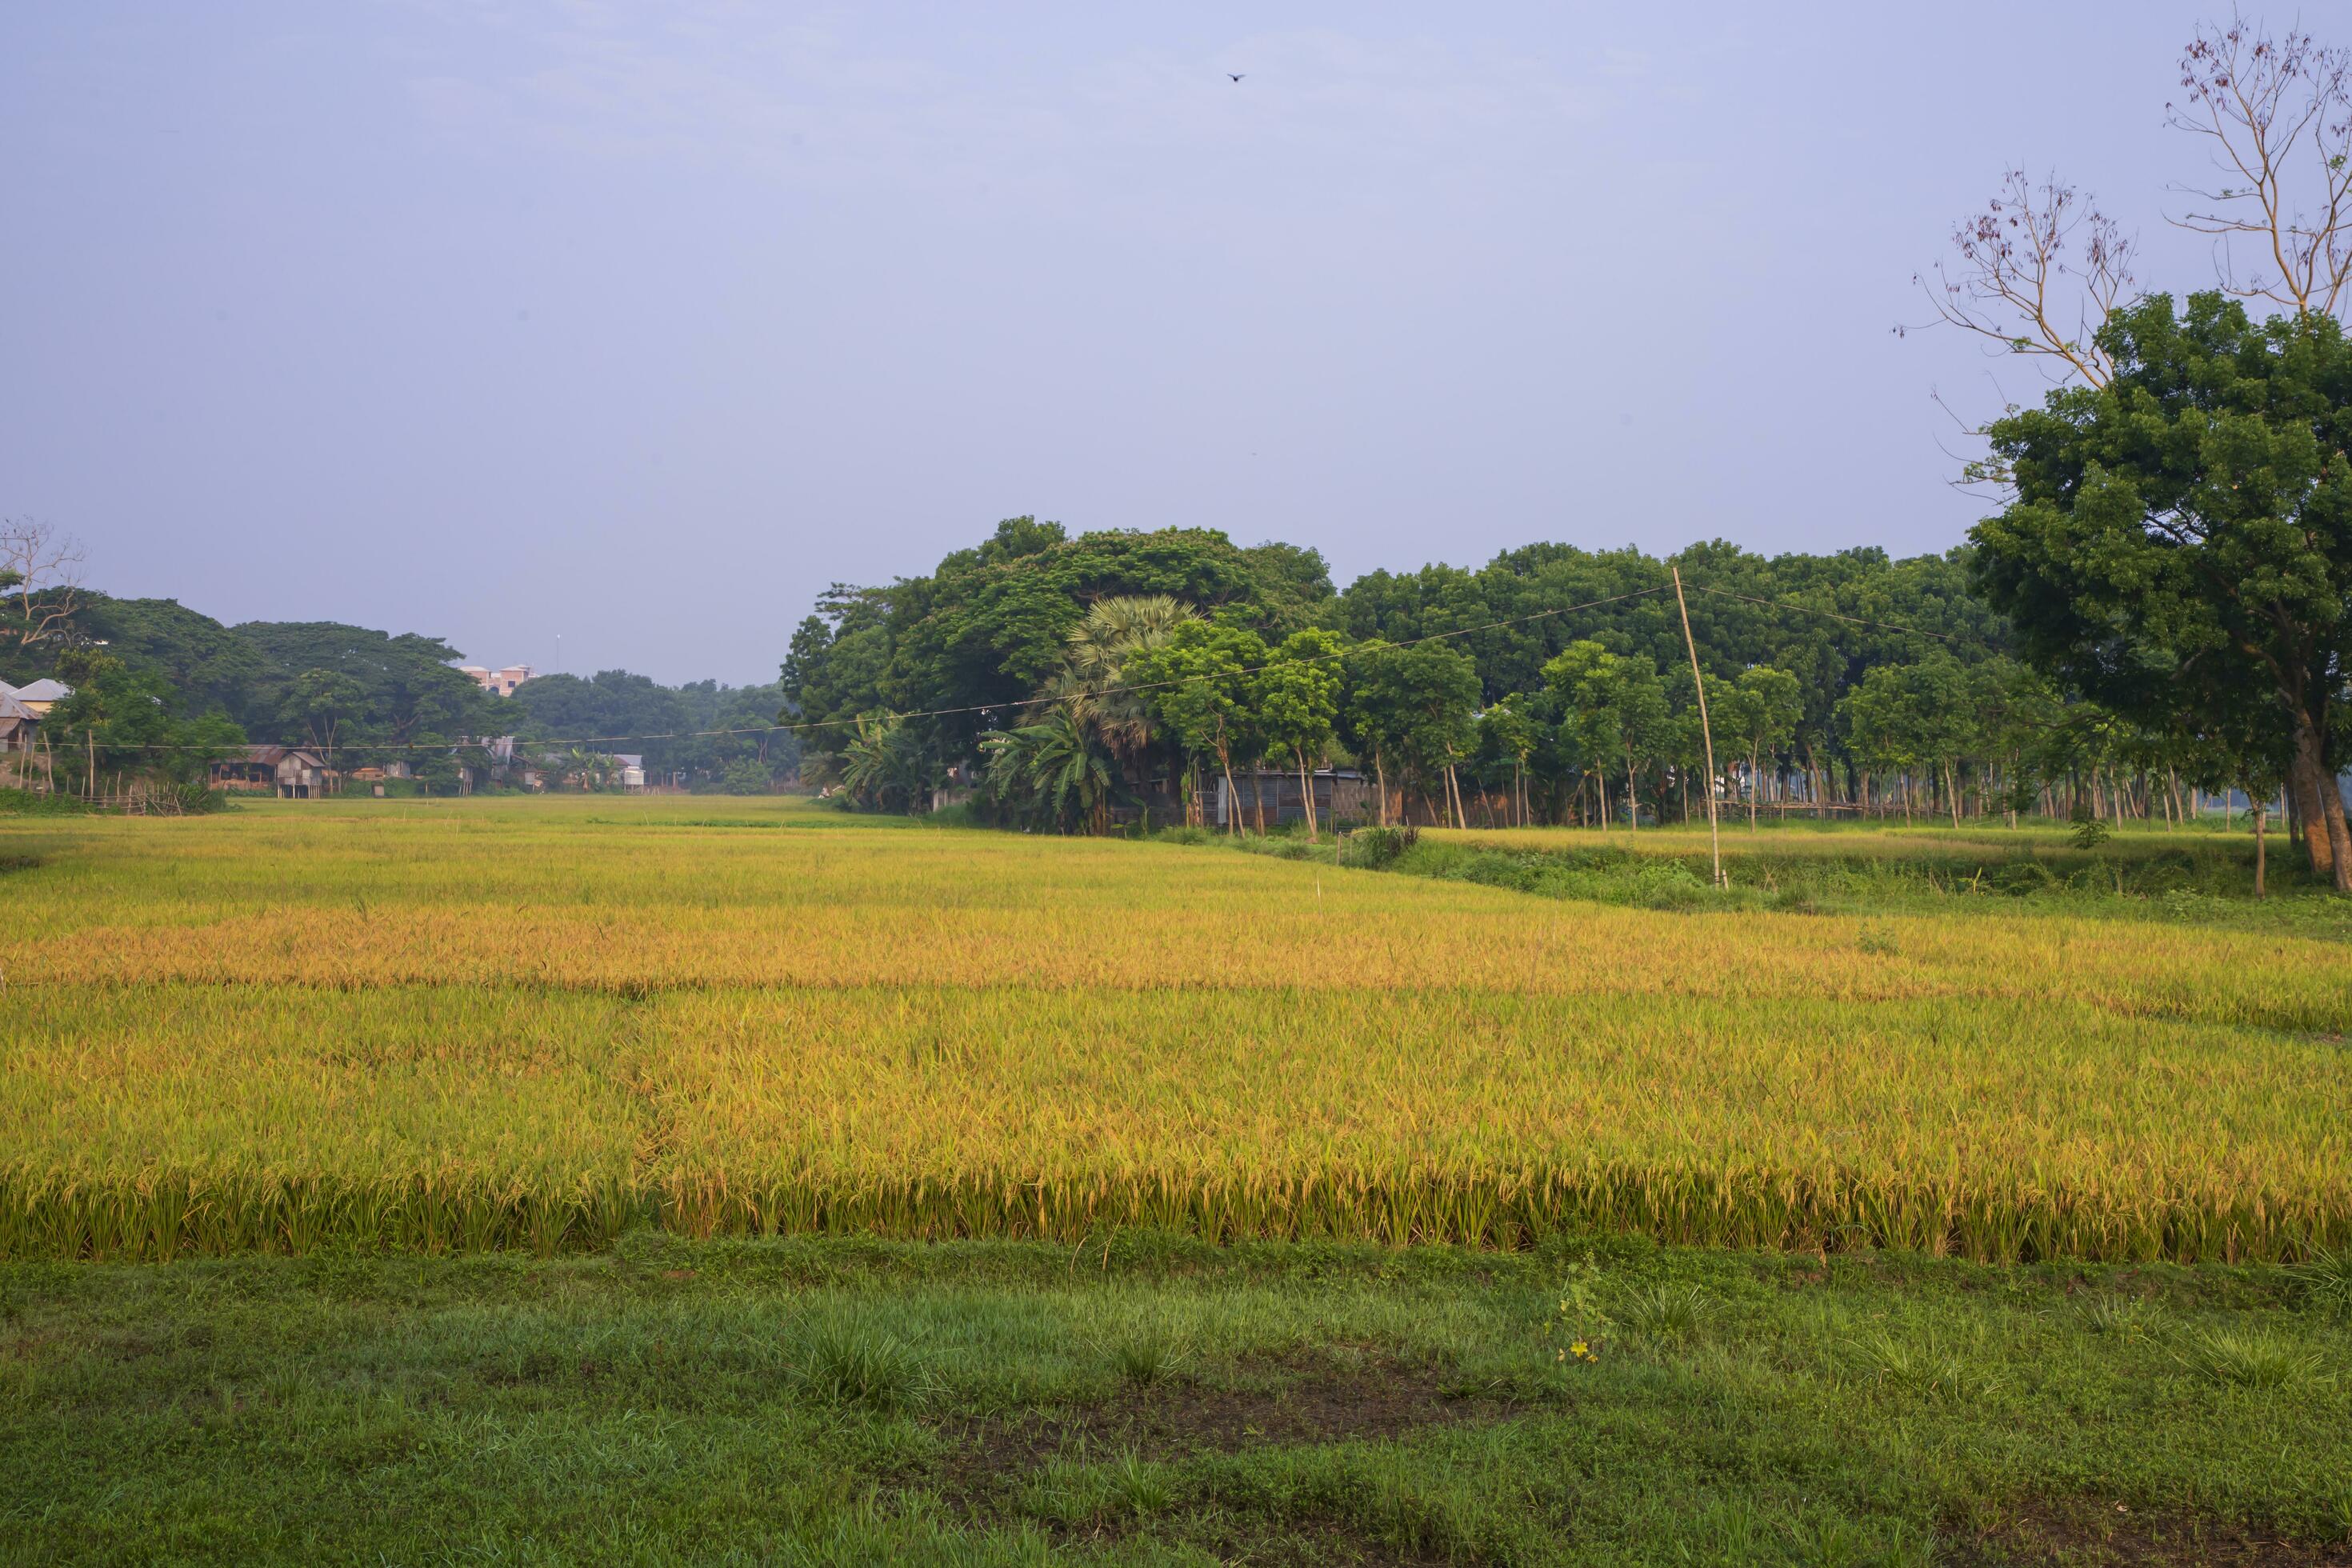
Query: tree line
1072	681
162	691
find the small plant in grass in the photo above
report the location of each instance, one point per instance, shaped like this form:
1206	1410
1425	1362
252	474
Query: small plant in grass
1579	1327
1146	1361
2251	1358
2119	1317
1931	1367
1665	1314
856	1366
1140	1486
2326	1280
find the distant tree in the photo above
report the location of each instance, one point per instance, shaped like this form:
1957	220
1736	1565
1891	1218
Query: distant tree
40	582
1510	727
1200	681
1413	707
410	684
882	764
322	702
126	720
1619	708
1760	711
1114	634
745	775
1908	718
1297	697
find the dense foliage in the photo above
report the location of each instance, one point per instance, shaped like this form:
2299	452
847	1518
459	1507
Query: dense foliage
1078	681
2179	547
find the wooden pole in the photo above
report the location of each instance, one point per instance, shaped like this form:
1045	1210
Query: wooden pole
1714	832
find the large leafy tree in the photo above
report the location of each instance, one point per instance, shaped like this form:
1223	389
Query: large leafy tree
992	624
2181	544
2174	539
322	701
411	685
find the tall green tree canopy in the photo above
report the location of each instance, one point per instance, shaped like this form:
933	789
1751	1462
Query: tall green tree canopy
992	624
2179	547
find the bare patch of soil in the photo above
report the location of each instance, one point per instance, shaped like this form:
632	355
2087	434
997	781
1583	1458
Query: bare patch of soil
1300	1400
2080	1533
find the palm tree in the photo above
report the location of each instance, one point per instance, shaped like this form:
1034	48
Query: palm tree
883	759
1054	772
1115	630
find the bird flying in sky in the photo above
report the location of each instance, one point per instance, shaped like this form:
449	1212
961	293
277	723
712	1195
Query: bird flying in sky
1237	75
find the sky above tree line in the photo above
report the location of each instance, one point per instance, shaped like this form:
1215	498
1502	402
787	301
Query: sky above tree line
636	326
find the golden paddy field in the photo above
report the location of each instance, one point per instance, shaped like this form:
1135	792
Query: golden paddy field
531	1023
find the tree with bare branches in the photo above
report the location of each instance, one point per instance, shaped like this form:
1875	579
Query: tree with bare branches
2040	268
2278	115
40	575
2176	537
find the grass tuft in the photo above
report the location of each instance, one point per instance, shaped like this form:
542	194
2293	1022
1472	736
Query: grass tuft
853	1365
2251	1358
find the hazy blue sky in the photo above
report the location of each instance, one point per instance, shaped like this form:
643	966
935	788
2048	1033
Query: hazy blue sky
641	323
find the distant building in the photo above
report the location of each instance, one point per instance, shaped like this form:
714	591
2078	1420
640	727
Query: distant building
497	682
19	722
39	697
290	773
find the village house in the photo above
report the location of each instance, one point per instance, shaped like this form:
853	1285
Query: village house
19	729
497	682
40	696
22	710
290	773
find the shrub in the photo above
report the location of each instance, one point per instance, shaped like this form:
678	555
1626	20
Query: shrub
1374	848
745	776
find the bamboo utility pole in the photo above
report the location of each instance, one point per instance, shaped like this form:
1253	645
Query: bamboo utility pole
1714	832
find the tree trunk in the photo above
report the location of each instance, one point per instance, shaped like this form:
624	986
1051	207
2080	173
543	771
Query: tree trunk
2320	803
2259	859
1632	799
1307	793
